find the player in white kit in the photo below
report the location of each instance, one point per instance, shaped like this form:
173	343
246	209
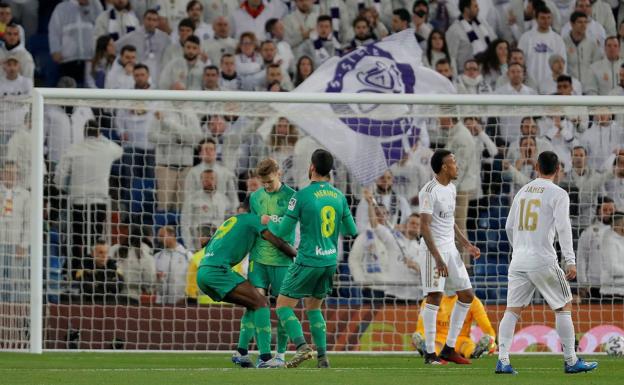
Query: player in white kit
539	210
442	268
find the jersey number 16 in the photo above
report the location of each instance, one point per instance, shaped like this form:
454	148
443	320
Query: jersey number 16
528	216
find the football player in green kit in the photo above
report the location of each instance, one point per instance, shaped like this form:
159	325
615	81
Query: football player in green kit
267	264
322	212
232	241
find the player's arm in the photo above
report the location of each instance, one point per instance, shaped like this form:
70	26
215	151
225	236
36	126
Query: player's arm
564	231
281	244
289	220
465	243
425	229
511	219
347	224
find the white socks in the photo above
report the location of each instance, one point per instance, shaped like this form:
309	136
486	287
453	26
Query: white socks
457	322
565	329
430	313
505	335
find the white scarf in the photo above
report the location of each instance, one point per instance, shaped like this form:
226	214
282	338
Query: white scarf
121	23
320	52
479	38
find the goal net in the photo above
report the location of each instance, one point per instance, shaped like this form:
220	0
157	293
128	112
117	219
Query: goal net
134	187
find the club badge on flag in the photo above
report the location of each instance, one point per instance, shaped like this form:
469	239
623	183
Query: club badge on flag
368	138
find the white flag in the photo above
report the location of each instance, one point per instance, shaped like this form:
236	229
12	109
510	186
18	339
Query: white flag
368	138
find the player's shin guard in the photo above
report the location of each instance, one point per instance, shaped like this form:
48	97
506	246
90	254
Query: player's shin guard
262	320
318	330
565	329
505	335
247	331
457	322
430	314
291	323
282	339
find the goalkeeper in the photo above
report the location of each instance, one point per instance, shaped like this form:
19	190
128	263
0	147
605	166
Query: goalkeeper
465	345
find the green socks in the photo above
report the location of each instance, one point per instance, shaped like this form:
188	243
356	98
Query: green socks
247	331
318	330
262	320
282	338
289	321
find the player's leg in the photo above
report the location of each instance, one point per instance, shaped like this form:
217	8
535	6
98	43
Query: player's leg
433	287
276	277
257	278
318	327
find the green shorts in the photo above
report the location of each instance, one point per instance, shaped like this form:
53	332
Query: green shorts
218	281
264	276
308	281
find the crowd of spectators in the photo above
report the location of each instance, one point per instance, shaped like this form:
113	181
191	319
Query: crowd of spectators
179	172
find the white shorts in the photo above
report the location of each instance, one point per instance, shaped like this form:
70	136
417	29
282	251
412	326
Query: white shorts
549	281
457	279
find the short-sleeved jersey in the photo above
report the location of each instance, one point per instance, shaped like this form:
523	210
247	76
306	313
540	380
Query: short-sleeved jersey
274	204
539	209
323	213
233	240
439	201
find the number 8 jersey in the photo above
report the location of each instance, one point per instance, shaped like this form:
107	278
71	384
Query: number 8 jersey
539	209
323	213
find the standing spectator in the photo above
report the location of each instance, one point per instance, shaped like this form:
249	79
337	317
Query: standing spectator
471	81
71	36
13	87
612	272
595	30
184	73
19	150
171	266
281	143
396	205
120	74
252	17
483	145
229	79
101	63
300	23
275	32
175	50
322	44
615	186
469	35
528	127
222	43
590	250
400	20
175	137
26	12
523	170
462	145
305	67
135	263
248	61
582	50
14	237
15	48
210	79
422	27
84	172
551	85
383	8
225	177
363	34
539	44
560	132
437	49
377	27
604	138
605	74
517	56
195	12
205	207
100	280
117	21
412	172
522	14
171	12
507	129
150	43
494	61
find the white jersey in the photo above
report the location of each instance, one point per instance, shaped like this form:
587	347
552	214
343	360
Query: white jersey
439	201
538	210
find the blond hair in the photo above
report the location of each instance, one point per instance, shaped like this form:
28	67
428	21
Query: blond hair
266	167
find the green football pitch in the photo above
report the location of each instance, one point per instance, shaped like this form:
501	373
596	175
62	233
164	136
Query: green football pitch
195	369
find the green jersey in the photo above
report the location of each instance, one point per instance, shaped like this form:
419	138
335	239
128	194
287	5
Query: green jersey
233	240
322	212
275	205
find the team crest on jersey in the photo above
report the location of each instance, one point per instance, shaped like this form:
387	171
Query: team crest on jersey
292	203
370	69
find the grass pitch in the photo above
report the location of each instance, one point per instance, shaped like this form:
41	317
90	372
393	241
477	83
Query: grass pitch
195	369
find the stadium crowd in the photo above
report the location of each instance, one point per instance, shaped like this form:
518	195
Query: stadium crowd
117	177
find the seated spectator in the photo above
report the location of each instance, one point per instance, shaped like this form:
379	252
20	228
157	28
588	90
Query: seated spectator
208	161
582	50
175	138
422	27
229	79
175	50
100	279
116	21
150	43
101	63
205	207
444	68
521	17
13	87
605	74
400	20
84	173
272	69
551	85
363	34
523	170
120	74
19	150
210	78
222	43
470	35
377	27
471	81
517	56
595	30
135	263
436	50
186	72
494	61
252	17
273	73
195	12
171	267
528	127
612	272
14	237
397	206
590	250
275	31
602	140
412	172
615	186
15	48
71	36
322	44
305	67
300	23
507	125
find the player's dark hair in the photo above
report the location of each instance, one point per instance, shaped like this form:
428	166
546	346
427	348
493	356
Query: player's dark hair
576	15
547	162
403	14
323	162
437	159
